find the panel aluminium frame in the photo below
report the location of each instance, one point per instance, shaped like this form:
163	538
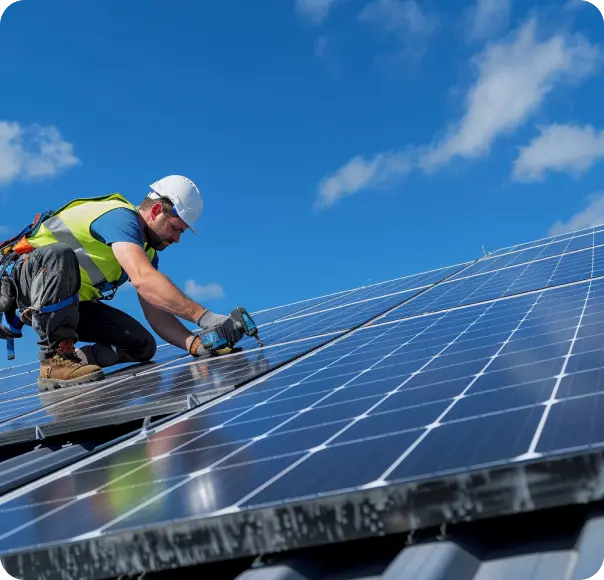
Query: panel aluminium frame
400	506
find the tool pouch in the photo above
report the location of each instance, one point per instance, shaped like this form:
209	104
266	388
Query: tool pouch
8	294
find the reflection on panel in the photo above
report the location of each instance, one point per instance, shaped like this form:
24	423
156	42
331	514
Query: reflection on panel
173	387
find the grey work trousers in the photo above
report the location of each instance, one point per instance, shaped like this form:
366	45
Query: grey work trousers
51	274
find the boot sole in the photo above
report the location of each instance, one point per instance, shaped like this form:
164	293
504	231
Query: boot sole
53	384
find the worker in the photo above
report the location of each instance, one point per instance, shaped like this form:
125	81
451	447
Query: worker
70	264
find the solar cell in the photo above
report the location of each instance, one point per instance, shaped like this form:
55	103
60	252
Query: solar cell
383	290
18	369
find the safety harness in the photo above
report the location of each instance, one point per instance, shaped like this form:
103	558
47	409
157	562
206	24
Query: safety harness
12	252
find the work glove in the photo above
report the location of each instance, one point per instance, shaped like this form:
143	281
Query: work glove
231	329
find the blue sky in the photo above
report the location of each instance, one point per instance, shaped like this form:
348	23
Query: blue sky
336	142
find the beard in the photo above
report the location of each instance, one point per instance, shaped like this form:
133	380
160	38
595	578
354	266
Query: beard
157	243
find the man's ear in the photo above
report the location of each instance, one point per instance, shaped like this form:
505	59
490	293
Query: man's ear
156	210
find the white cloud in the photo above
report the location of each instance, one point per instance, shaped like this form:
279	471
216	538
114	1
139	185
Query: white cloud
315	10
514	78
408	21
403	17
563	148
33	152
360	174
206	292
487	17
591	215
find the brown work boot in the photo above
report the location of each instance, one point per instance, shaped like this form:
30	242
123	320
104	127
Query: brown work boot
65	369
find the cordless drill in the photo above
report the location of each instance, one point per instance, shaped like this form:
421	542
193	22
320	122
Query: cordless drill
217	344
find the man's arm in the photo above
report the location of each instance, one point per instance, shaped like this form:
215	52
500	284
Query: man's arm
153	286
166	325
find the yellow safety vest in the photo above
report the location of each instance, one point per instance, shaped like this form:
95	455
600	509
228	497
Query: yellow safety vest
99	268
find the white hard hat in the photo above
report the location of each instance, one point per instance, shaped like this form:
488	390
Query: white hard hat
183	193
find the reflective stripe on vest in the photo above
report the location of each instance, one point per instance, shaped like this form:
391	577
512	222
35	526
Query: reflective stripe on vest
65	236
100	271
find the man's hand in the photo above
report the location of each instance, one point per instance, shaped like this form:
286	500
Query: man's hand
195	347
229	327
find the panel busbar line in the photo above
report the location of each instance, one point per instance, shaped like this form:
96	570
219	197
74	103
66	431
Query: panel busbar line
379	408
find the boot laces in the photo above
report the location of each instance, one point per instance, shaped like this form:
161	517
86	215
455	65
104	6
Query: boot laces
67	352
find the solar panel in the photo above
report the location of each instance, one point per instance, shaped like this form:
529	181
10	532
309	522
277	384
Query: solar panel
140	393
19	392
262	317
414	283
531	254
170	388
508	281
457	404
559	238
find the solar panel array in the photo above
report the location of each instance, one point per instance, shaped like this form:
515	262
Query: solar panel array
165	387
492	364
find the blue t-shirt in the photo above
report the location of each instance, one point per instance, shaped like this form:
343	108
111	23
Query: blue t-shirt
120	225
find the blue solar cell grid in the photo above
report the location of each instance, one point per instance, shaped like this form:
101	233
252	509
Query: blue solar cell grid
504	359
380	290
495	378
546	273
598	231
171	383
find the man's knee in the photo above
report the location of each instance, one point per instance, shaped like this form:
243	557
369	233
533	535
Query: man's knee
141	350
148	350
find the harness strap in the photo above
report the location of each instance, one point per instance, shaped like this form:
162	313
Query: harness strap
59	305
9	331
